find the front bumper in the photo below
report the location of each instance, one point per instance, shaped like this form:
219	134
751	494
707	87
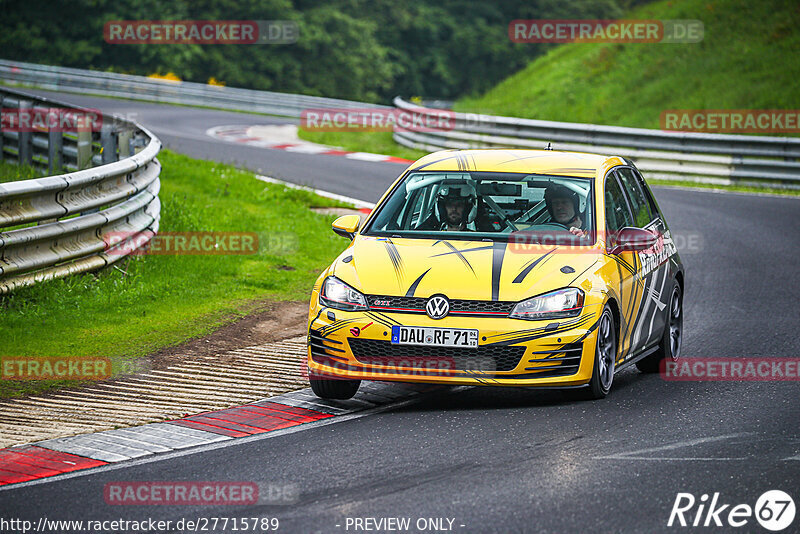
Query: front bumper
511	352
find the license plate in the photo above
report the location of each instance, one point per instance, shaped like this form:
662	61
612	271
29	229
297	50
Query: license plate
436	337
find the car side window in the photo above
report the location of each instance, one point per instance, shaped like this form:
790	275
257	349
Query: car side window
651	200
642	216
618	214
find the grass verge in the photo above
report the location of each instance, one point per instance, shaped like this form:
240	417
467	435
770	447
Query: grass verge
10	172
151	302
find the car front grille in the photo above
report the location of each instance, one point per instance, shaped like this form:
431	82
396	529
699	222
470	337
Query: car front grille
472	308
563	361
486	358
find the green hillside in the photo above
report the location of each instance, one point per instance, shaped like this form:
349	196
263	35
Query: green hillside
749	59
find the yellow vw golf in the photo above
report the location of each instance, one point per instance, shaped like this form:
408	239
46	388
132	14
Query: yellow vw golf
500	268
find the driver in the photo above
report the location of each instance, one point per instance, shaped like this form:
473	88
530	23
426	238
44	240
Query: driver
563	205
456	207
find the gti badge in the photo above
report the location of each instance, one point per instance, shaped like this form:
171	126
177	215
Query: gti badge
437	307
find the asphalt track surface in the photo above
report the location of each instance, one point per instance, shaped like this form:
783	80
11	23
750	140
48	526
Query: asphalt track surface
516	460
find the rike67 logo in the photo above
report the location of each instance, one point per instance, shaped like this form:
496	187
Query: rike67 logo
774	510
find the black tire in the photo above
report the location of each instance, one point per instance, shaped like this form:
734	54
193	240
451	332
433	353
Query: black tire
605	358
669	348
333	388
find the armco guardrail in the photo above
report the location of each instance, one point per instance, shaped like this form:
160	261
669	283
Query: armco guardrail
155	90
709	158
58	225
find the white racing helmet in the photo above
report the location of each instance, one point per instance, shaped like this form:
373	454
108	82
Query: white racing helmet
461	193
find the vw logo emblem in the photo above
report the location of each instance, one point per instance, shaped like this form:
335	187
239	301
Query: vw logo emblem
437	307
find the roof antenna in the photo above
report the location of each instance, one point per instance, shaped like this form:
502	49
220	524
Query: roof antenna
549	146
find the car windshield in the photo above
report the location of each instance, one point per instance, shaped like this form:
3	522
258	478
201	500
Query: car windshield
488	206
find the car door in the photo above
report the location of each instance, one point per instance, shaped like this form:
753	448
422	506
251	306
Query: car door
618	215
653	271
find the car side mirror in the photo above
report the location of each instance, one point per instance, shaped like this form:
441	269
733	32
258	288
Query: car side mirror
632	239
347	225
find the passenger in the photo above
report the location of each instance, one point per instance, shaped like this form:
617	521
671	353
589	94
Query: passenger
563	204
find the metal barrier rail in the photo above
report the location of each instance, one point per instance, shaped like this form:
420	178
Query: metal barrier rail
155	90
59	225
708	158
699	157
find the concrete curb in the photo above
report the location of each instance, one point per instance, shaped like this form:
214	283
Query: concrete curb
86	451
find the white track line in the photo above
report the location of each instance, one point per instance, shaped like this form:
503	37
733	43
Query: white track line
356	202
673	446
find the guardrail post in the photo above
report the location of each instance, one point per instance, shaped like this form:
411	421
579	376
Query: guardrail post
125	144
138	143
108	139
2	108
55	145
25	147
84	145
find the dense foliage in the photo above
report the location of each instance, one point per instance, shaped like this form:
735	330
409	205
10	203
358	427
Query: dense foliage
748	59
357	49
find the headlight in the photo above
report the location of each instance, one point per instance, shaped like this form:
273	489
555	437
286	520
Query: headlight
340	296
554	305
